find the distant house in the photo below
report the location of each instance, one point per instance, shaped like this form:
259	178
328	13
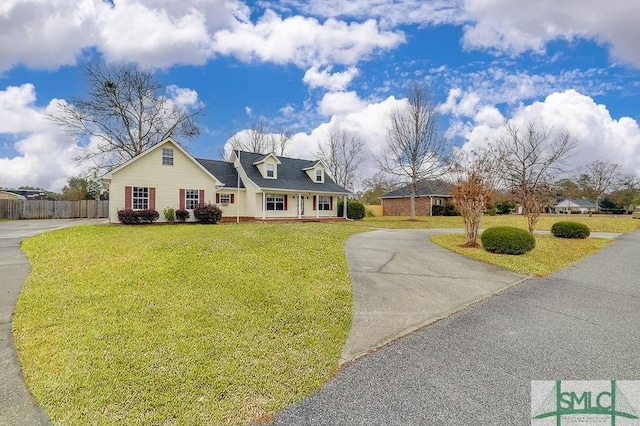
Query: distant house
248	186
430	193
24	194
574	205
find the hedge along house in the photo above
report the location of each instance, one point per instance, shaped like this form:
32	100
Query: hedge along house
430	193
247	187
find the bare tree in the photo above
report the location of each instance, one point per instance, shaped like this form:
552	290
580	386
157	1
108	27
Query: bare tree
260	139
126	111
600	177
342	153
414	148
474	189
528	160
376	185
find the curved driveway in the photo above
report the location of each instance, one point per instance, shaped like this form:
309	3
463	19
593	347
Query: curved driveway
476	367
17	406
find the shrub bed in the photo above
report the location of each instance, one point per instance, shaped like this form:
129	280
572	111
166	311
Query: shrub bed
568	229
207	213
355	209
182	215
507	240
135	217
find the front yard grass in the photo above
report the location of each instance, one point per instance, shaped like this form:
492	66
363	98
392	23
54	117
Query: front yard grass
182	324
549	255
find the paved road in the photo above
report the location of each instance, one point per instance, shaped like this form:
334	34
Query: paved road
476	366
17	406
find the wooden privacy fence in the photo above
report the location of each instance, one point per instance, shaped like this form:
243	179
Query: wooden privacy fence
41	209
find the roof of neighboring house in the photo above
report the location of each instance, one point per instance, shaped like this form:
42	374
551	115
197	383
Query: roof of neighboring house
576	202
223	170
291	174
426	188
29	194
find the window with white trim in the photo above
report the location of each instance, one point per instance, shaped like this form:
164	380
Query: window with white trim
167	156
324	202
140	198
225	199
271	171
275	202
191	198
438	202
319	175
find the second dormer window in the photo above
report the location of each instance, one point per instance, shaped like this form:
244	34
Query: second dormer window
318	175
270	170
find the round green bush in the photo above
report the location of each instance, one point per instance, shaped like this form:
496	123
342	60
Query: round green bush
507	240
355	209
568	229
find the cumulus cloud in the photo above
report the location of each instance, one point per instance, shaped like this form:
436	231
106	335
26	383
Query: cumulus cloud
340	103
599	136
517	26
304	41
44	156
314	77
163	33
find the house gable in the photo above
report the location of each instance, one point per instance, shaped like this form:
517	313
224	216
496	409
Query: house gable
316	172
268	166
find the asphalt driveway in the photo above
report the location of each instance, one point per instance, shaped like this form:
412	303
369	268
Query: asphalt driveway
476	366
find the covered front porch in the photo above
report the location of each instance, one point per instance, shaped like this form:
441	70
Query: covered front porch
299	205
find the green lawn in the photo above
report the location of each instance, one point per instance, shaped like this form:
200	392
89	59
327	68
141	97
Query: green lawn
182	324
597	223
550	254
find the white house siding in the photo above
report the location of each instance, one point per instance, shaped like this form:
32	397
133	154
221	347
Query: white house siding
148	171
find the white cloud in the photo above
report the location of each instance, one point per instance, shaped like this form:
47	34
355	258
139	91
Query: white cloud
304	41
44	155
517	26
598	134
331	81
183	98
340	103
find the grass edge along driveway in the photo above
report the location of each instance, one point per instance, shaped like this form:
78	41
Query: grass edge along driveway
184	324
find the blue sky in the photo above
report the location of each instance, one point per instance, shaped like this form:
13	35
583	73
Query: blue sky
316	65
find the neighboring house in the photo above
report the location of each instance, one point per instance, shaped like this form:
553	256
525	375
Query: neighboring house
24	194
574	205
430	193
248	186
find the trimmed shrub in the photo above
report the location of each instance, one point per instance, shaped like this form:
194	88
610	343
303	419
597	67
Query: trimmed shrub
169	214
207	213
507	240
355	209
135	217
446	209
570	230
182	215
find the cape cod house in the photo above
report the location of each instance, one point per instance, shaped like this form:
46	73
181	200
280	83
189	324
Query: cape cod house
247	187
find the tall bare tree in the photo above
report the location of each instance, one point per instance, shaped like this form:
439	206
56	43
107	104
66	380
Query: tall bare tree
126	111
600	177
415	150
474	189
342	153
260	139
529	158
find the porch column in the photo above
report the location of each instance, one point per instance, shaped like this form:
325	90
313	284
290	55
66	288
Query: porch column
264	205
344	208
317	206
431	206
300	200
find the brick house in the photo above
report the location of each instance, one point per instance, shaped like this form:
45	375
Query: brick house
430	193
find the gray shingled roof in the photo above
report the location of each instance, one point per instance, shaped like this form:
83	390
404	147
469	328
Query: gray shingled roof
579	202
223	170
426	188
291	175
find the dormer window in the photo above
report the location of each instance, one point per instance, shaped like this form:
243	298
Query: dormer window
319	176
167	156
270	171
